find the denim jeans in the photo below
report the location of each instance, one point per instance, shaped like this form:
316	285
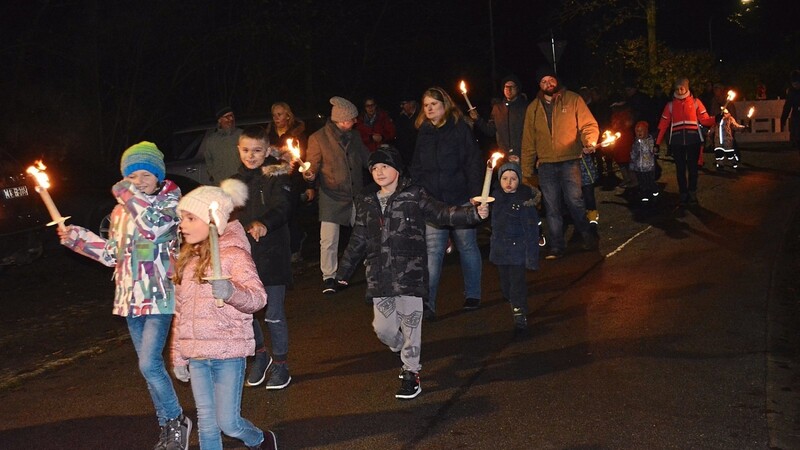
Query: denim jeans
149	334
561	185
466	241
276	323
217	388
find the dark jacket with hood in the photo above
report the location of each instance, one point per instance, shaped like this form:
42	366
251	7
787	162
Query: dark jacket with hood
515	225
269	192
392	243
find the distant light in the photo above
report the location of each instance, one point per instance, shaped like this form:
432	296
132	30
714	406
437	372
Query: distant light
745	2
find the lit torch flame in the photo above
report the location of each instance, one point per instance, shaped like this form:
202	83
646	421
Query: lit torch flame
37	170
609	138
295	150
42	184
731	95
463	87
750	112
493	160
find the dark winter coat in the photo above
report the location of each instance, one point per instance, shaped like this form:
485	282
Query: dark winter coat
515	228
393	243
269	192
447	162
339	160
505	124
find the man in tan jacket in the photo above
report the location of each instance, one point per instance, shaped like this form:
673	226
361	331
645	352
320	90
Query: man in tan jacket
558	128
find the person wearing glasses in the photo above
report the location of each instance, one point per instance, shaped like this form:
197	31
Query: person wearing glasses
507	118
375	126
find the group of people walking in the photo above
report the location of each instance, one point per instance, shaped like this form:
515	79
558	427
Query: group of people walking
202	264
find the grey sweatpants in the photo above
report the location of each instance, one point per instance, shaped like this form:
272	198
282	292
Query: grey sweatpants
398	323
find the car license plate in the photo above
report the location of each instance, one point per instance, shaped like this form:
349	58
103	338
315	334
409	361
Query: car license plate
14	192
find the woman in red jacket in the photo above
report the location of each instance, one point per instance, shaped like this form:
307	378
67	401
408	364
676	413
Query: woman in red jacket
681	119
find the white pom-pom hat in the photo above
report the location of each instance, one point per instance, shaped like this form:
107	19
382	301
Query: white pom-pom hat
230	194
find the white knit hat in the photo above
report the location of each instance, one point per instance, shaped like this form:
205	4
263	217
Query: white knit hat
230	194
343	109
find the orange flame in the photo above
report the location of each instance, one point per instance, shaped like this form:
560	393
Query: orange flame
609	138
731	95
751	111
293	148
463	87
37	170
493	160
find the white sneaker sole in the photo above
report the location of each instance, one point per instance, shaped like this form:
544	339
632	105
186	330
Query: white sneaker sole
263	375
275	388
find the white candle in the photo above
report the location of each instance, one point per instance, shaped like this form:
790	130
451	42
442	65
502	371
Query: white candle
42	183
213	237
487	179
464	92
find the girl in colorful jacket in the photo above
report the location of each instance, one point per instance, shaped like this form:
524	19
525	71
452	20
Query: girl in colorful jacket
142	236
213	331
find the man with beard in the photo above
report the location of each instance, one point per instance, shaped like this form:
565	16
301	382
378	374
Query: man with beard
558	128
219	146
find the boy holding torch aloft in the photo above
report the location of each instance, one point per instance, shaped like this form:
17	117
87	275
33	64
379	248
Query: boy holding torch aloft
142	236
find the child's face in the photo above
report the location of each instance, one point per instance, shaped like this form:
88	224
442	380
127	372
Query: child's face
252	152
641	132
192	228
509	181
385	176
144	181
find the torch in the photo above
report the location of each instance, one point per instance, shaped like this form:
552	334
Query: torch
487	180
42	183
609	138
295	149
464	93
729	98
213	237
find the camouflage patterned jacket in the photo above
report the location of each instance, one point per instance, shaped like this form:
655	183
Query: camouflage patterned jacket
393	243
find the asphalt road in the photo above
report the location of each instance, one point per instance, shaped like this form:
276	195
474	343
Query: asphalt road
682	332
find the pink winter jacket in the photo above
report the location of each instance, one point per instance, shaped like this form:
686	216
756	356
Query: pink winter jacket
201	330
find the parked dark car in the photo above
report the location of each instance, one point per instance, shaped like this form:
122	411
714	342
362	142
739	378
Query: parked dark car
22	214
186	166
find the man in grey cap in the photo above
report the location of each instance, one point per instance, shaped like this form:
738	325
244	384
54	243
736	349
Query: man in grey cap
507	118
338	159
219	146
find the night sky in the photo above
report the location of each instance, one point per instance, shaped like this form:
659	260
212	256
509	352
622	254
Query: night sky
93	77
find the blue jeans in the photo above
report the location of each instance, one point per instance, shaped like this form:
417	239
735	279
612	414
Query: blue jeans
149	334
561	185
276	323
466	241
217	388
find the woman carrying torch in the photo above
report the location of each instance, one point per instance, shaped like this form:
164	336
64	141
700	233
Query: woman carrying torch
142	238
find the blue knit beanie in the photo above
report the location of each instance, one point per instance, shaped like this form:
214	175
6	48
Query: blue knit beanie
143	156
510	166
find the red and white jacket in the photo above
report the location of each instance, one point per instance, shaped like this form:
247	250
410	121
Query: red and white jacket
681	118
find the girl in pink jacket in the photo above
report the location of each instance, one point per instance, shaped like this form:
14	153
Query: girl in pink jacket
212	333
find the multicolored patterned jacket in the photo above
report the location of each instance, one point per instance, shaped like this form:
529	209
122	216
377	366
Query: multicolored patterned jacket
141	243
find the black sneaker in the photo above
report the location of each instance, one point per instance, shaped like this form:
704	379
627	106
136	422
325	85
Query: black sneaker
471	304
329	286
269	443
258	371
409	385
178	431
279	377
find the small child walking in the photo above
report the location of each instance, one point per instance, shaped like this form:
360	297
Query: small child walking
514	241
142	236
389	231
210	343
643	163
724	145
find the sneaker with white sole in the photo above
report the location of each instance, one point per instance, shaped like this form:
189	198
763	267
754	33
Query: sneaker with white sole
178	432
258	371
409	385
279	376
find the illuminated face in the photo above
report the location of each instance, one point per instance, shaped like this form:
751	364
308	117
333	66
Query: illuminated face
641	132
510	90
682	88
252	152
548	85
434	109
227	122
370	107
144	181
385	176
346	125
280	117
192	228
509	181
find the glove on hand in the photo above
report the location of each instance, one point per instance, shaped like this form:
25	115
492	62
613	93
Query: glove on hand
181	373
221	289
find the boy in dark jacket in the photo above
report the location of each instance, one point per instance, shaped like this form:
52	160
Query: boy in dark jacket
389	234
515	239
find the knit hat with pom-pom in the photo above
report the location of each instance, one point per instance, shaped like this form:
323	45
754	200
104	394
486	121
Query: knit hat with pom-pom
230	194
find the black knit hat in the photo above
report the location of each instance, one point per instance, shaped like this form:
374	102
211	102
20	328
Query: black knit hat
545	71
386	154
513	78
222	111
